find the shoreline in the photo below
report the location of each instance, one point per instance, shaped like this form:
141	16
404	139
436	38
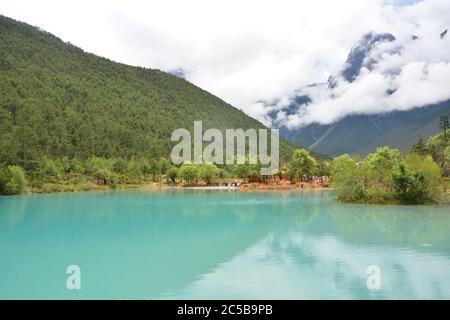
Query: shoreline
245	187
218	188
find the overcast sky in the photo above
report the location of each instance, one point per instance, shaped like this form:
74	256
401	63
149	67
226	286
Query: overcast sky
248	51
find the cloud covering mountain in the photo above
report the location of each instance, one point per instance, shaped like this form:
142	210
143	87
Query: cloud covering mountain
382	74
384	95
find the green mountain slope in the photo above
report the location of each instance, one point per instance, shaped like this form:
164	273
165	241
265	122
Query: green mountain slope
57	100
362	134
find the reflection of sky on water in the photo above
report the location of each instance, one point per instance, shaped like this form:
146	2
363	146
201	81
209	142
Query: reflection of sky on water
295	266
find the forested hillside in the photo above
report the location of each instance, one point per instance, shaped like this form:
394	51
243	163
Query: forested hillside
58	101
362	134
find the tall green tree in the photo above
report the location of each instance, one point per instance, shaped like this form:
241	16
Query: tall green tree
303	163
436	147
420	147
188	173
444	125
345	177
208	172
380	165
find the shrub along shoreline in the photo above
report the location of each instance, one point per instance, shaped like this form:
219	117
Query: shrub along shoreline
384	177
388	177
62	174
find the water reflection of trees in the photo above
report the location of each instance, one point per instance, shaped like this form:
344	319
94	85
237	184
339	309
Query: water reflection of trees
403	226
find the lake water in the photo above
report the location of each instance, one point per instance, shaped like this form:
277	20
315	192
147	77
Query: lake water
219	244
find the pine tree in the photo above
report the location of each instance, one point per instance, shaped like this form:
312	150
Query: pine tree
420	147
444	125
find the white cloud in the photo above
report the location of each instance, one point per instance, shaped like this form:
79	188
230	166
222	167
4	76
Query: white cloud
417	71
248	51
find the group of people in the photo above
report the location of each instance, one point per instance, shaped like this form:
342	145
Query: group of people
314	181
307	178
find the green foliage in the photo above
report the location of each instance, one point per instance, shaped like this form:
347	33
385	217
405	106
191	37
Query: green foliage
344	177
57	100
94	164
163	165
146	166
420	147
241	171
76	166
444	125
428	168
302	163
387	177
208	172
172	174
221	173
384	160
188	173
410	186
120	166
12	180
135	169
447	155
246	171
359	192
324	167
436	148
103	176
48	169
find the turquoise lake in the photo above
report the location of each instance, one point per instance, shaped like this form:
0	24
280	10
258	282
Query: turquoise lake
220	245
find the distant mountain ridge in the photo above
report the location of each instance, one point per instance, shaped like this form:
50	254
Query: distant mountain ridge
356	58
361	134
